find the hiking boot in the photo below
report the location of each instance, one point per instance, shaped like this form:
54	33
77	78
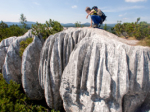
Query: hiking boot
95	26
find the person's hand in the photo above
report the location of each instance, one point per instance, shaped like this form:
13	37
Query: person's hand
90	27
87	16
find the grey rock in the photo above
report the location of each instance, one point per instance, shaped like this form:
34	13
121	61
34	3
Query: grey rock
30	64
54	58
3	49
104	74
12	65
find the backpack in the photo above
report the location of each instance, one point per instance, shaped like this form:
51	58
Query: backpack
100	13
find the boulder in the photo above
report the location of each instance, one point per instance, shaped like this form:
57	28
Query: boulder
54	58
12	65
104	74
3	49
30	64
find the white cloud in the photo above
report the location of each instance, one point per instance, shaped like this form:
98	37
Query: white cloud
121	8
125	18
74	6
36	3
135	0
122	14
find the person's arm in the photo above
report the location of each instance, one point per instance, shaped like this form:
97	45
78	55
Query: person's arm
89	14
91	23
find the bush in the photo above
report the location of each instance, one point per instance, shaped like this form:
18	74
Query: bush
139	30
13	30
24	44
45	30
12	99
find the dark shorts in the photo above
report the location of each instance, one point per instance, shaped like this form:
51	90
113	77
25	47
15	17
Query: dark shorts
96	19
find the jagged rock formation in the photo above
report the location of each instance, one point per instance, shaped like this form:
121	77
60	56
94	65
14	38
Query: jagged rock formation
12	65
30	65
54	57
105	75
3	49
83	70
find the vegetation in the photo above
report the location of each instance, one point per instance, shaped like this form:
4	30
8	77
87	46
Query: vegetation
12	99
78	24
24	44
13	30
23	20
105	27
45	30
139	30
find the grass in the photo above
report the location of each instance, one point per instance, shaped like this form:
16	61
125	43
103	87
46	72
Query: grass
145	42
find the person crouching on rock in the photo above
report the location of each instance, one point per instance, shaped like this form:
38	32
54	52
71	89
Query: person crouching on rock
94	17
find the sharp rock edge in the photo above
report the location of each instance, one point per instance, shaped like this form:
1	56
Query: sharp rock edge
30	64
12	64
3	49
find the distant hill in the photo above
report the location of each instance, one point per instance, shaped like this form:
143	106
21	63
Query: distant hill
29	24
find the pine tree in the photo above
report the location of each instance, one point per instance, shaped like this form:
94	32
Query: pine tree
23	20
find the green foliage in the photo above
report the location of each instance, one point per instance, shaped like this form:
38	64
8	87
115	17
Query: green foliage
78	24
45	30
105	27
23	20
139	30
3	25
24	44
13	30
54	111
12	99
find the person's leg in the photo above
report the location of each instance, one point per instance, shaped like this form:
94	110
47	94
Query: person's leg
96	19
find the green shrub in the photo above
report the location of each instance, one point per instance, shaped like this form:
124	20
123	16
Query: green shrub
13	30
45	30
54	111
139	30
12	99
24	44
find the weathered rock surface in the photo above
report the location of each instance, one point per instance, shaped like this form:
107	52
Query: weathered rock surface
54	57
105	75
84	70
30	65
12	65
3	49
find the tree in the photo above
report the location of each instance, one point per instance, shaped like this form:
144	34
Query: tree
78	24
45	30
105	27
23	20
3	25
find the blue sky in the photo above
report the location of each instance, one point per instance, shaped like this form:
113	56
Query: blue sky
70	11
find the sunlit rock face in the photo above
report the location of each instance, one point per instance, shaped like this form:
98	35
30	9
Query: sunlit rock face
106	75
82	70
12	65
30	65
3	49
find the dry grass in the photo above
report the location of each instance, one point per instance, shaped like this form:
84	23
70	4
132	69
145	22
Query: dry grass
145	42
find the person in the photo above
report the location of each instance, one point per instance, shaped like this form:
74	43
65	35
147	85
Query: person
95	18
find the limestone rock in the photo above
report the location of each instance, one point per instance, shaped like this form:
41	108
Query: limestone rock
105	75
30	64
3	49
12	65
54	57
